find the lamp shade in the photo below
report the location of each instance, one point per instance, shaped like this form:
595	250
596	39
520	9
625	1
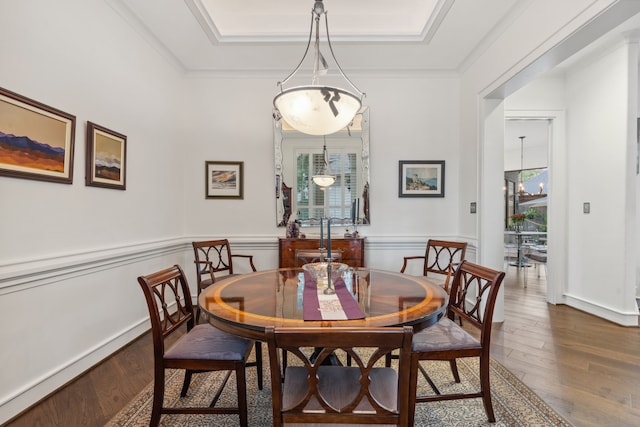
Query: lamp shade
324	180
317	110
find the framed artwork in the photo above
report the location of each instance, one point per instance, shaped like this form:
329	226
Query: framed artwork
106	164
421	178
36	141
224	180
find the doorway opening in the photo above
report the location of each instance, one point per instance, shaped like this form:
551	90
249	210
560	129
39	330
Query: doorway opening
526	184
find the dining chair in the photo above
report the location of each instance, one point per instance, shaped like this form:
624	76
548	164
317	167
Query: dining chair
314	392
201	348
441	257
214	262
472	298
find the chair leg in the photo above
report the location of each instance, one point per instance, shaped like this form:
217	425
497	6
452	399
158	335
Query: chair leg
241	386
186	383
426	376
413	388
454	370
158	398
258	347
485	388
284	363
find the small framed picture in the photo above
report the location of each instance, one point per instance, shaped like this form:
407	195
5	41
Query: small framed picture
106	164
421	178
224	180
36	141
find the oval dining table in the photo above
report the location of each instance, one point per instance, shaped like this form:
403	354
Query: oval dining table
245	305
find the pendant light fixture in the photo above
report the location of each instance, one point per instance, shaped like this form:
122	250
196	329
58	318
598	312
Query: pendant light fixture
317	109
323	179
521	183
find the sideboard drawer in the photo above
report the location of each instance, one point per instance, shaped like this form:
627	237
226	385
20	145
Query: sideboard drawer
352	250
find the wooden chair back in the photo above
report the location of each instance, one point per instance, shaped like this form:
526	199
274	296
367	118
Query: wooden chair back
440	257
211	257
364	393
473	296
214	261
170	305
441	254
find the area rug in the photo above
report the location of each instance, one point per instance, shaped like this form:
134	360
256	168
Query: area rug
513	402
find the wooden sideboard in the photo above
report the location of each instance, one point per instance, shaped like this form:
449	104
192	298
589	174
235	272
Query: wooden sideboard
351	250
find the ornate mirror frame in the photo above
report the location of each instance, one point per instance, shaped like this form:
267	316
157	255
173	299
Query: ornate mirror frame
297	157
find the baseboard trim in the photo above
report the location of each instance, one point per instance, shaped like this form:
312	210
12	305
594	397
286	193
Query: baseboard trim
22	399
621	318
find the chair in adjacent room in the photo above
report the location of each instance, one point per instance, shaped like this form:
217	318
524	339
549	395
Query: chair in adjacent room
472	299
214	262
536	254
314	392
201	348
440	259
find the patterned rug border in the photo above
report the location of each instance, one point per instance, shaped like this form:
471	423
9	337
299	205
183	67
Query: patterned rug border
515	404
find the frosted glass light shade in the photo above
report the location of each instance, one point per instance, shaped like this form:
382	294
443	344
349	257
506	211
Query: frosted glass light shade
324	180
317	110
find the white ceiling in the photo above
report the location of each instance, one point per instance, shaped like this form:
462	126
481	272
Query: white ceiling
289	19
216	35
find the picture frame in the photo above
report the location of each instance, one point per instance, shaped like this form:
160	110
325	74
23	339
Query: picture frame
224	180
106	158
421	178
36	140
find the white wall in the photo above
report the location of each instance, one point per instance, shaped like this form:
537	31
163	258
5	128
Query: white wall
598	115
70	254
411	118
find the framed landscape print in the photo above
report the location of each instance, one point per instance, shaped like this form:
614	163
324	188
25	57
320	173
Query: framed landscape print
106	164
36	141
224	180
421	178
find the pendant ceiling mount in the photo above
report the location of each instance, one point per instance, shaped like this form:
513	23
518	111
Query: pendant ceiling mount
318	109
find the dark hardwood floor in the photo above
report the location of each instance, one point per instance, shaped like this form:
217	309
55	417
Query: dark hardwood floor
587	368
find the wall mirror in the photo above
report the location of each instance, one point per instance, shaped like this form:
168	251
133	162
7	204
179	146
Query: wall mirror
298	157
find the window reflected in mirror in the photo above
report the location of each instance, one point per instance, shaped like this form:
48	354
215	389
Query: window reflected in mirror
300	156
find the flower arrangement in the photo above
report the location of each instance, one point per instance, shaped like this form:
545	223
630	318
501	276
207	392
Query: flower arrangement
518	218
